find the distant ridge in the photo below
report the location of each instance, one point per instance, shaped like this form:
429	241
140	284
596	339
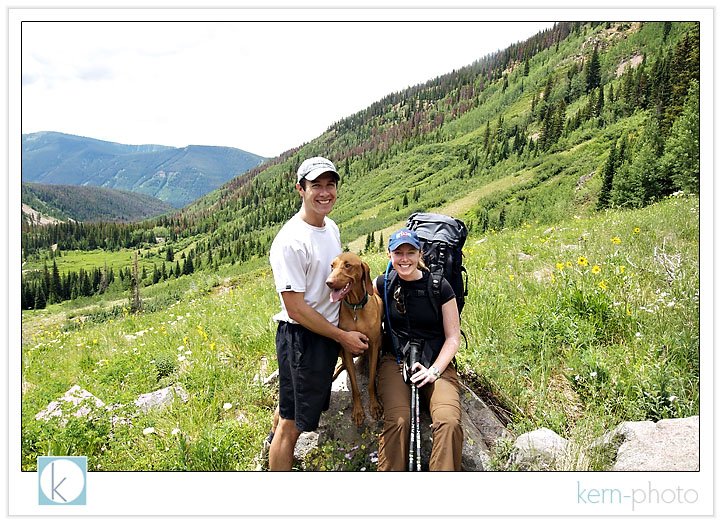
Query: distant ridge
47	203
174	175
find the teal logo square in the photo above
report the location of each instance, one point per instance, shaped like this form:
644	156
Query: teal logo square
62	480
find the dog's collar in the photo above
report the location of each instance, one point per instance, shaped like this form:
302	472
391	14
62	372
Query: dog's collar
358	306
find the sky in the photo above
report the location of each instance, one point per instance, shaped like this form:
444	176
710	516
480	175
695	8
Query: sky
264	87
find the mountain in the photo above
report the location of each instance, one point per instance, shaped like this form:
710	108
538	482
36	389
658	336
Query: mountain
580	117
88	204
175	175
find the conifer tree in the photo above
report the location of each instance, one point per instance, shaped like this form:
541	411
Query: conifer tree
593	71
55	286
607	178
135	301
40	301
680	162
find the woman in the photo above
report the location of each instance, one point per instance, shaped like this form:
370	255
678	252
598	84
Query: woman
413	317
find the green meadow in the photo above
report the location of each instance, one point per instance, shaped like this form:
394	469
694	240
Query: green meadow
574	324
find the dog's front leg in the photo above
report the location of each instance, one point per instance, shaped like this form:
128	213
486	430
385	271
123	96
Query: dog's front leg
374	406
358	410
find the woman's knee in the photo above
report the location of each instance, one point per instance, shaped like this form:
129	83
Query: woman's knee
398	420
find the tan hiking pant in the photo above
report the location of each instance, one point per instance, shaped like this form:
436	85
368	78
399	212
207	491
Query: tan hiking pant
442	398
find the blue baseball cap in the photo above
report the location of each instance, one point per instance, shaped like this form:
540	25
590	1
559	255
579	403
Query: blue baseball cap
404	236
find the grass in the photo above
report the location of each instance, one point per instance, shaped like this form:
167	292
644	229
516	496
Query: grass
575	325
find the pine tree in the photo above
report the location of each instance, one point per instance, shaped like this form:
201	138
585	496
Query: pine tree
593	71
135	302
680	162
607	178
188	266
55	285
40	301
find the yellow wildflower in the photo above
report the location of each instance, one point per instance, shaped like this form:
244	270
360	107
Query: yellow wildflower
582	261
602	284
560	266
569	264
616	240
511	278
596	269
621	269
636	230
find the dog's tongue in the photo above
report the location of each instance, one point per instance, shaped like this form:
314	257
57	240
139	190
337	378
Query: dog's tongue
338	294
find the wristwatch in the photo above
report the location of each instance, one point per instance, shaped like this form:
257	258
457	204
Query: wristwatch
435	371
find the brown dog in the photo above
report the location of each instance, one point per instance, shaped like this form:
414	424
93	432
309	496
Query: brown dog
361	311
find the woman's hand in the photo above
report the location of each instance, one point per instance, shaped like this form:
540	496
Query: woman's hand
423	375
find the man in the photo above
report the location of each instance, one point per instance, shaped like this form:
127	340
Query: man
308	335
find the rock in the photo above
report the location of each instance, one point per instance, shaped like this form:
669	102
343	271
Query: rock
523	256
541	449
76	402
160	398
480	425
668	445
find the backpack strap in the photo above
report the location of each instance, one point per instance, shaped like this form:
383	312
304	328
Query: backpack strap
434	290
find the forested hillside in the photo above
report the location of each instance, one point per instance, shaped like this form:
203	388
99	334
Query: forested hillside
90	204
580	117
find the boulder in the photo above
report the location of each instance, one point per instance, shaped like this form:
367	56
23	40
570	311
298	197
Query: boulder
480	425
541	449
76	402
160	398
668	445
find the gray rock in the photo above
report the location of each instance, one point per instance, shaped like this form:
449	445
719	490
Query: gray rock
480	425
75	402
160	398
541	449
668	445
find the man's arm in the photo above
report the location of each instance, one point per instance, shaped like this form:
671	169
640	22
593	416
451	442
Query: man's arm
301	312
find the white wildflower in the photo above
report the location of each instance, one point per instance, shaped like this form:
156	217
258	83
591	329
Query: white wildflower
148	431
175	431
227	405
181	358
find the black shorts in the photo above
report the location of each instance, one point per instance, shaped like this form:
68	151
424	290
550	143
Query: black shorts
306	362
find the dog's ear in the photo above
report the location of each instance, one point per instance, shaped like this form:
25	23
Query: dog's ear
367	278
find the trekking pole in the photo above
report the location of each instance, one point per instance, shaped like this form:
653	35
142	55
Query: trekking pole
412	434
412	354
418	430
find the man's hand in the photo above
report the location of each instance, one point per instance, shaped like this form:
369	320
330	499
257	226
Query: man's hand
355	342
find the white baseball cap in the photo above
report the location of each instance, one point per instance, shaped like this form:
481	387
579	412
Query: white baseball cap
313	168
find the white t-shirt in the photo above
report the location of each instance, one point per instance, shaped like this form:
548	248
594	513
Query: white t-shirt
301	256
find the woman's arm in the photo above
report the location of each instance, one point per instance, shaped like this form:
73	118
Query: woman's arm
452	332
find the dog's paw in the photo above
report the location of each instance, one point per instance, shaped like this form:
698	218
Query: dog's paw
376	410
358	416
